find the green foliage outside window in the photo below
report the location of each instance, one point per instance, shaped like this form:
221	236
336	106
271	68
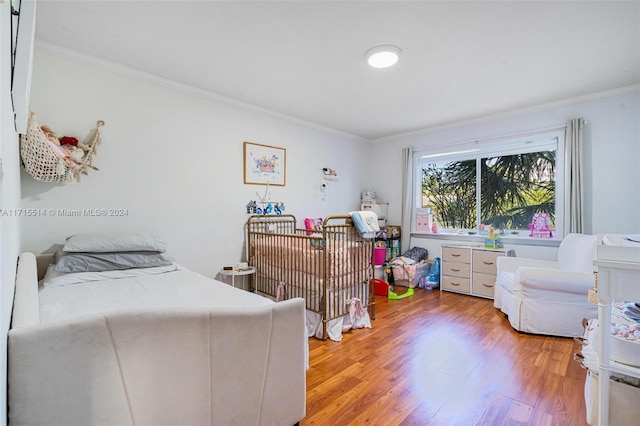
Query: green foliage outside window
512	189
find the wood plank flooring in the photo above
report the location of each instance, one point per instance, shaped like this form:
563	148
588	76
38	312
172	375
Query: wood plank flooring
443	359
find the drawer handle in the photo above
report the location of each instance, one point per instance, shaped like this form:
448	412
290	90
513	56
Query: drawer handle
455	270
456	284
487	263
487	285
455	255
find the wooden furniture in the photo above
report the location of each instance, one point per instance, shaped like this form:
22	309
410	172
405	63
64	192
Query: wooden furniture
618	278
470	269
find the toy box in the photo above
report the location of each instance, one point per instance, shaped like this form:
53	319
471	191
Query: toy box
492	242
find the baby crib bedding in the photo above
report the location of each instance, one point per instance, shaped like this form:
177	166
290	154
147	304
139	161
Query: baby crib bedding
310	277
300	255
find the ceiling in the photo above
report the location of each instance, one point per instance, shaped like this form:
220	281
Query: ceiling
304	59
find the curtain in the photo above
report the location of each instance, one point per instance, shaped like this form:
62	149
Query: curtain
407	198
574	211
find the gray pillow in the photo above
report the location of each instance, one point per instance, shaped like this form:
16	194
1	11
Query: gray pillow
99	262
113	242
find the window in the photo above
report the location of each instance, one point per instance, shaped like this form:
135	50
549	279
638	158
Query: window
502	184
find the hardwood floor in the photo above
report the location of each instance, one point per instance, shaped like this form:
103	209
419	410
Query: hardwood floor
443	359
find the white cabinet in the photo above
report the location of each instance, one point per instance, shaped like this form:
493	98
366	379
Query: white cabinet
470	269
617	281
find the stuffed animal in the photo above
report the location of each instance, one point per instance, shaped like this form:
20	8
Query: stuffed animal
58	139
70	140
51	135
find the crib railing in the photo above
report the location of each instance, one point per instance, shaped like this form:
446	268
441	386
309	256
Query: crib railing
327	267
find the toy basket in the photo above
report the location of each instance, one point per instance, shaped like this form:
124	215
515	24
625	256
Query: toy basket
45	163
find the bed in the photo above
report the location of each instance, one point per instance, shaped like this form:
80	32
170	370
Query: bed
163	347
330	267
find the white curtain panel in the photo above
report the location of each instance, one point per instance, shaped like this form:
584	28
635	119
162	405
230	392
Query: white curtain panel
407	197
574	141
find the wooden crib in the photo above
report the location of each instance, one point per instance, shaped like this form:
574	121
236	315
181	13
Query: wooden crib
327	267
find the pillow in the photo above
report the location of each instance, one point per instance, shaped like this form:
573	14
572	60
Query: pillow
113	242
98	262
312	225
54	278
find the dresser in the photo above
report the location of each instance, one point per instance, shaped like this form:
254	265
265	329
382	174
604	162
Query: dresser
470	269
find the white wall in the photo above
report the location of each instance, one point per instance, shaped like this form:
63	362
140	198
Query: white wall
611	153
9	196
174	159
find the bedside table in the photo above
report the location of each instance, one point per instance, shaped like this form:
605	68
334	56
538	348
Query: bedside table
244	273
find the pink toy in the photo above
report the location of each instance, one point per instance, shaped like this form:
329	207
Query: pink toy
540	226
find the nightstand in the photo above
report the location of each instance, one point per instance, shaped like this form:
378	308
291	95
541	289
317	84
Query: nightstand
246	274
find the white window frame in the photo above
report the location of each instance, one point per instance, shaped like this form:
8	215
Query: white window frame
508	145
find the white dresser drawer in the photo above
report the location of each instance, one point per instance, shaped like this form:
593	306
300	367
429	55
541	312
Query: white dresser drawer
454	254
484	261
456	269
457	284
483	284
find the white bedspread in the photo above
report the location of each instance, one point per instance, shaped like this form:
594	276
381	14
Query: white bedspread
175	289
144	350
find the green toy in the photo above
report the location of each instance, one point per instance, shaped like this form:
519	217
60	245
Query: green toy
394	296
391	295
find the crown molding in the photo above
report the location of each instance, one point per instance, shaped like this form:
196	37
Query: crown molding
625	90
94	61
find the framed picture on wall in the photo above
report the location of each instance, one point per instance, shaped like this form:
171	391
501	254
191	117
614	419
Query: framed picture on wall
264	164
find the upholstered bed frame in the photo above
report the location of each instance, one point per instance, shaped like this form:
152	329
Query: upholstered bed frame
216	366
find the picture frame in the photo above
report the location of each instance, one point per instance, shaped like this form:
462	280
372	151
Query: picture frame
264	164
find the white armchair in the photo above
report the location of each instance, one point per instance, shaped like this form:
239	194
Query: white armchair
549	297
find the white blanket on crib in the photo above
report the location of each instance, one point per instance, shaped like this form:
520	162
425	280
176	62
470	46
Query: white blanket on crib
366	222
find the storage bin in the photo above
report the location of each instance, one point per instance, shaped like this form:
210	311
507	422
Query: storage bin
625	351
622	411
409	275
379	255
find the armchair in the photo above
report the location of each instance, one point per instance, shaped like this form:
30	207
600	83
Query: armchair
549	297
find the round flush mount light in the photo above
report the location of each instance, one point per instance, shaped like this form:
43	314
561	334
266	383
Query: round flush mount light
382	56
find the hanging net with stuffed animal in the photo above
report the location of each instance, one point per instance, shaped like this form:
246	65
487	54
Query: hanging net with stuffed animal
49	159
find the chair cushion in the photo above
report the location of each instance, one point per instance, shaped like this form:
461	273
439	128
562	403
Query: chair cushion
506	280
576	253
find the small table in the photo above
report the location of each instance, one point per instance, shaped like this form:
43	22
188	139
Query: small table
248	272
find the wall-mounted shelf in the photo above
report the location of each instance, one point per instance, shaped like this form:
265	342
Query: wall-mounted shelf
329	174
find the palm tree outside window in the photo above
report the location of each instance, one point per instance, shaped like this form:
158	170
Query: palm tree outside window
501	186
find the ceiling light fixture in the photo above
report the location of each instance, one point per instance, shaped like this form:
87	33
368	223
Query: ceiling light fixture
382	56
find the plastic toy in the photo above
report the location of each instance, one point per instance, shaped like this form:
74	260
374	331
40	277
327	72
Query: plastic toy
394	296
540	226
